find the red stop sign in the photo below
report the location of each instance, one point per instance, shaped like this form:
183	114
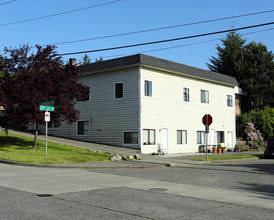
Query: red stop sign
207	120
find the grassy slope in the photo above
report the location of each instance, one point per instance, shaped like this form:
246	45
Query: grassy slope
19	149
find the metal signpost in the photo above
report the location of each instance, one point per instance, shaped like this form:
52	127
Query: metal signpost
47	119
207	121
47	106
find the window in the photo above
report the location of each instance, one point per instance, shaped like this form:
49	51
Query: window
119	90
85	97
200	137
229	100
186	94
220	137
204	96
53	124
148	136
82	127
130	137
148	88
181	137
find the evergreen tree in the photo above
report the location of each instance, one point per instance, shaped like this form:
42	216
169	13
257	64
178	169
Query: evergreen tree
86	60
229	57
258	75
251	65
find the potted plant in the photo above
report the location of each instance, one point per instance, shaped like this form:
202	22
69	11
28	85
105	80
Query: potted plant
237	149
214	149
223	149
219	148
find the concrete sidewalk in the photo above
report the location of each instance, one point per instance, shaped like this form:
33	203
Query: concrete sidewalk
147	161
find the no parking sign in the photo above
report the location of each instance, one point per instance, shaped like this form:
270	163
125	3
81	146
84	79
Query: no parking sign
47	116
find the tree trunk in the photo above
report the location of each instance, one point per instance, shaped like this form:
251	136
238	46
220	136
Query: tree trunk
35	136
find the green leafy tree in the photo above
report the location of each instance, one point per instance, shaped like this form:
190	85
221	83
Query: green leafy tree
263	120
30	79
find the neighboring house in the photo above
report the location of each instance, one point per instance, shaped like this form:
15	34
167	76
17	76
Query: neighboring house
238	94
148	103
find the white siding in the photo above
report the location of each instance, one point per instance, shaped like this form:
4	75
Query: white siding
166	109
109	117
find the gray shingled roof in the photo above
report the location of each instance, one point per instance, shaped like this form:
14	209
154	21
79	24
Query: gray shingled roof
142	59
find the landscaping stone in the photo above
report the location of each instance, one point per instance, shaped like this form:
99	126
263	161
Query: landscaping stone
116	157
137	157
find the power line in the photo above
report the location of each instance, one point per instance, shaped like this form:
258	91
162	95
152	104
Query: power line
169	40
163	28
183	45
7	2
58	14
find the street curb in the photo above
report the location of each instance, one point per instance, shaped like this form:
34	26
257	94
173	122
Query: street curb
150	165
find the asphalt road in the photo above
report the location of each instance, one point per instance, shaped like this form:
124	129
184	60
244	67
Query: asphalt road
231	190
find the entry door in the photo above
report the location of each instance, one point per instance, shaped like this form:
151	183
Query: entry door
164	140
212	137
230	139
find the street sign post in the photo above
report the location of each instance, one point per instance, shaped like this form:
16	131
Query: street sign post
47	119
47	106
207	121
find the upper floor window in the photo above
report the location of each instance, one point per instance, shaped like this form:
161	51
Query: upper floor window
229	100
204	96
186	94
85	97
148	88
119	90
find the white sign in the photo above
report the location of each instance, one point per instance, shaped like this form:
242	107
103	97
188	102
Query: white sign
47	116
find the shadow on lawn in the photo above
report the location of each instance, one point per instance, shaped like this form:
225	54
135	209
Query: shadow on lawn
20	142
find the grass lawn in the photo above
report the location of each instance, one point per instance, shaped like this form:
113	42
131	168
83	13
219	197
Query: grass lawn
19	149
228	157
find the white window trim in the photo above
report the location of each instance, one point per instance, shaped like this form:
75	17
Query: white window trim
197	138
83	135
114	93
145	88
231	101
123	137
188	95
201	96
155	137
177	136
79	102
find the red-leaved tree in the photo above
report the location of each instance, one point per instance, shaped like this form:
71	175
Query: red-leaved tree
29	78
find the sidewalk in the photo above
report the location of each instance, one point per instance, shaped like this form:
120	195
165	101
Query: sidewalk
147	161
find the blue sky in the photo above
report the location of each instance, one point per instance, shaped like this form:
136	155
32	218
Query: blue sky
129	16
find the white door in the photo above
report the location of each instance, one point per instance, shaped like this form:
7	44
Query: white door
230	139
164	140
212	137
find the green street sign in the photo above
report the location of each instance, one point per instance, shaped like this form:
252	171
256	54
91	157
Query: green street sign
46	108
47	103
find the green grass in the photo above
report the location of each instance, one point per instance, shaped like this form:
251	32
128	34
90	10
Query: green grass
228	157
20	149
